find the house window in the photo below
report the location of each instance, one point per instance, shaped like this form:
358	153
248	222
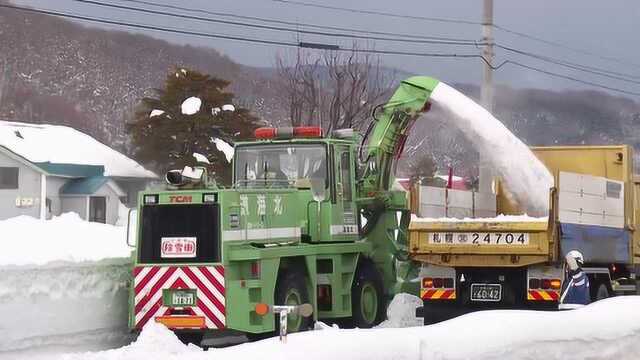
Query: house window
8	177
98	209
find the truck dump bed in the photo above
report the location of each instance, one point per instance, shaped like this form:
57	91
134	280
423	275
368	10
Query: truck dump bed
592	208
501	241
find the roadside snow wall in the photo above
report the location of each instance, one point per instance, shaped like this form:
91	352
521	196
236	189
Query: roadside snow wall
527	179
607	329
63	283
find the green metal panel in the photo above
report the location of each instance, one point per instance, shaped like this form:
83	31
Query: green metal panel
71	170
84	186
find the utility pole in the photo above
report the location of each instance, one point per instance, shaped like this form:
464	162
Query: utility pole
486	90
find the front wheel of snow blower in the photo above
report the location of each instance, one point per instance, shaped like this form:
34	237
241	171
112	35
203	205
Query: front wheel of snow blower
291	290
367	297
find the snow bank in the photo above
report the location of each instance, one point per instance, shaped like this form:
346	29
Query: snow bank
71	305
63	283
524	175
401	312
41	143
607	329
499	218
26	240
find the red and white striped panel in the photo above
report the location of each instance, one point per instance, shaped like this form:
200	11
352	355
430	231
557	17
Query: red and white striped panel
207	280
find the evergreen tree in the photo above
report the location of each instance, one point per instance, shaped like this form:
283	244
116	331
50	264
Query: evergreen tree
164	136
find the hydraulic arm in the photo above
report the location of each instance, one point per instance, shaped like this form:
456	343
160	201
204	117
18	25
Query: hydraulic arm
389	131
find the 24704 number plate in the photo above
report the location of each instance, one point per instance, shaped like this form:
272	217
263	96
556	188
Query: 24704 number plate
451	238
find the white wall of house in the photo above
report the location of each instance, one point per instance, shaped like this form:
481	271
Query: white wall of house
54	184
27	193
76	204
113	201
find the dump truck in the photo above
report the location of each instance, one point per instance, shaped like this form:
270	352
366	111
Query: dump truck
515	261
309	218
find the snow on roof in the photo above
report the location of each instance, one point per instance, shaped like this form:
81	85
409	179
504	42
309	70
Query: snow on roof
42	143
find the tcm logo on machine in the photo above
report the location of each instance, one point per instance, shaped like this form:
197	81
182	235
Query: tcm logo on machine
178	247
180	198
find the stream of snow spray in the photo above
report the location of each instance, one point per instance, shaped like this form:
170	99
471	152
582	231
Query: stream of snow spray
527	179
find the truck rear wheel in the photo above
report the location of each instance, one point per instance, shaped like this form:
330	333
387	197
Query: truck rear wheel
291	290
367	296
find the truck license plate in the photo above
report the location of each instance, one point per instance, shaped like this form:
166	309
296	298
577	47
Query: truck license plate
179	297
478	238
486	292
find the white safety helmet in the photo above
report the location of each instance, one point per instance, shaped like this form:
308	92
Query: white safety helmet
574	259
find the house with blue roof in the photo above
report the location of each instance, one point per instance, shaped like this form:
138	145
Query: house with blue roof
47	170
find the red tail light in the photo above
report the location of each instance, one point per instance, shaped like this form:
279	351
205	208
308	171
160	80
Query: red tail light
546	283
255	269
438	282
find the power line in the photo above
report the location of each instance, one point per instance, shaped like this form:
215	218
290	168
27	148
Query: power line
570	78
372	12
275	28
574	66
461	21
566	47
292	23
226	37
289	44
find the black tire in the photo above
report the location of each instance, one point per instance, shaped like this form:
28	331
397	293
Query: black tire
290	290
367	297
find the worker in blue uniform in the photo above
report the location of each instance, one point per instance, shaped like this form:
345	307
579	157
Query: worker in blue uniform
575	287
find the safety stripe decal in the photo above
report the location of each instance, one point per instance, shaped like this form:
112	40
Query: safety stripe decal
543	295
208	281
432	294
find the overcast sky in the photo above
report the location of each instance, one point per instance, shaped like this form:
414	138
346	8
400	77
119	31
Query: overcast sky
609	28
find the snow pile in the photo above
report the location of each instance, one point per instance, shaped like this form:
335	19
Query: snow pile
499	218
64	305
608	329
525	176
223	146
191	105
64	145
63	283
228	107
156	112
401	312
26	240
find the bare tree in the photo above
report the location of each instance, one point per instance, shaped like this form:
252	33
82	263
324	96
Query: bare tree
332	89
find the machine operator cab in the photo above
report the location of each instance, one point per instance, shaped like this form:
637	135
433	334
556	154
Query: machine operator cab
286	160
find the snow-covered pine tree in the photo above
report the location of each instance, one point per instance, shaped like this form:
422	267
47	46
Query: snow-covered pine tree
166	130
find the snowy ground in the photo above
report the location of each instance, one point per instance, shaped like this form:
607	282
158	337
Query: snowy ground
63	286
609	329
63	295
